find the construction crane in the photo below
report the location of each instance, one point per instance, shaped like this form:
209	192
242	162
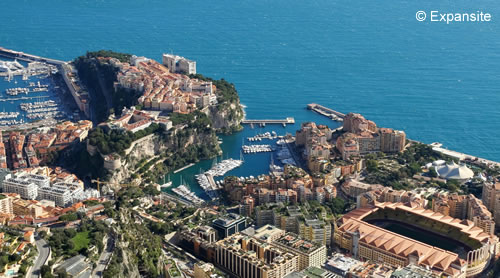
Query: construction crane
98	182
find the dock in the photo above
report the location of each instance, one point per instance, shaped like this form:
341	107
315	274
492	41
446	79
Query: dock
289	120
325	111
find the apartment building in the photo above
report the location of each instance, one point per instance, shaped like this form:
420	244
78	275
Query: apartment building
23	186
59	194
309	253
5	204
491	199
316	230
247	257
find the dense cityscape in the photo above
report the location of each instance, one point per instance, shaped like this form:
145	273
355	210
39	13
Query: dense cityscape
86	189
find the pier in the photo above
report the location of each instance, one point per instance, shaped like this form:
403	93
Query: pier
325	111
21	98
183	168
289	120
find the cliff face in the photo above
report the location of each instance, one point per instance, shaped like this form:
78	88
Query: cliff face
226	118
159	147
148	148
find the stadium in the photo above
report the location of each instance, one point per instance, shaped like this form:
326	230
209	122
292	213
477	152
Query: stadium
396	234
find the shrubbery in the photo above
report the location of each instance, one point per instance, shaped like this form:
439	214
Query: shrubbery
116	141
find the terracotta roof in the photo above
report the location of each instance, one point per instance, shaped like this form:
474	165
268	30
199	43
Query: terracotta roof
398	244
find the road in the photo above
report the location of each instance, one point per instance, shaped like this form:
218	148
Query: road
43	255
103	259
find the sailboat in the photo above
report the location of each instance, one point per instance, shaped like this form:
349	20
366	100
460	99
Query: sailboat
166	183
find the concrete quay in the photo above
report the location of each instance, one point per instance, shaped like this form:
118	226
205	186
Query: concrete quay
325	111
437	147
289	120
28	57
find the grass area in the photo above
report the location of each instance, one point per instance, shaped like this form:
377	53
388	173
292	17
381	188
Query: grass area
81	240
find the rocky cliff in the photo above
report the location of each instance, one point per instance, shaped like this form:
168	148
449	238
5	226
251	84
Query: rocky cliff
173	150
226	119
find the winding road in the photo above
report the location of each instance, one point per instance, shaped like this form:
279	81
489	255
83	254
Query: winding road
43	255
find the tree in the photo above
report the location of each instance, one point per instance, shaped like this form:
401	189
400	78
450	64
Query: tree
43	234
337	205
432	173
46	272
371	165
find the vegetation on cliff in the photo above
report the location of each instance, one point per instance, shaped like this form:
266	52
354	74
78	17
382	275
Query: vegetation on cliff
226	92
123	57
228	102
71	242
117	141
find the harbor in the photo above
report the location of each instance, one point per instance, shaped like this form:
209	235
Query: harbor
187	194
32	91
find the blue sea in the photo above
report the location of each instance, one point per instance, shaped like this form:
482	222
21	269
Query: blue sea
437	81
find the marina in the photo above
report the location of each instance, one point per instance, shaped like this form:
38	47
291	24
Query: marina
206	179
187	194
248	149
268	135
30	90
9	115
166	183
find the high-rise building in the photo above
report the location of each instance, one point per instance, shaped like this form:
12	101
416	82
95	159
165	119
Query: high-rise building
465	207
491	199
229	224
392	140
247	206
355	123
316	230
206	233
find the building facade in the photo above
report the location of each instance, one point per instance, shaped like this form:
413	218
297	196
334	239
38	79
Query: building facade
229	225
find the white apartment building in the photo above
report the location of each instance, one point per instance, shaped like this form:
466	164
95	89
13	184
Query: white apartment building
20	185
59	194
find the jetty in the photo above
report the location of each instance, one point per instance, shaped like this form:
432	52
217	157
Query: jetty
289	120
183	168
28	57
325	111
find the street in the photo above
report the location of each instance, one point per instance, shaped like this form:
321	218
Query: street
43	254
105	256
